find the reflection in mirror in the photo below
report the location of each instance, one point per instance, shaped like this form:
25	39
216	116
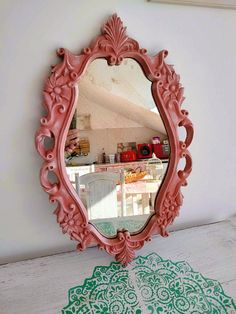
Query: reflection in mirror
117	148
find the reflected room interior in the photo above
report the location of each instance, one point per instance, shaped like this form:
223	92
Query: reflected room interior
120	158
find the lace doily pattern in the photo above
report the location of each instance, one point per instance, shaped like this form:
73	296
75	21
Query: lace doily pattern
149	285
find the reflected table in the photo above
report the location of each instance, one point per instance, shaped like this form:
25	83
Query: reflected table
147	189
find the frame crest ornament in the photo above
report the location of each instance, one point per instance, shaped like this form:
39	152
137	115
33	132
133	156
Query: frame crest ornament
60	95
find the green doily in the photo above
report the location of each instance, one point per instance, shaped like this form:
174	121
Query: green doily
148	285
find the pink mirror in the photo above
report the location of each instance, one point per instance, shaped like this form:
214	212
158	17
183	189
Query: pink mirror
110	143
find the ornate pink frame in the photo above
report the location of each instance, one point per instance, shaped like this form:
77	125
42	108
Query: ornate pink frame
60	94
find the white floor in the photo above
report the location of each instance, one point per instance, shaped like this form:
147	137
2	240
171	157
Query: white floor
40	285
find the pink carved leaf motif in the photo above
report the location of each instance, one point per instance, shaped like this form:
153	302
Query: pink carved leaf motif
114	39
115	33
159	65
126	253
84	237
63	68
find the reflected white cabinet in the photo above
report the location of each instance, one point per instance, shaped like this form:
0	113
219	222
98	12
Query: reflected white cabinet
81	170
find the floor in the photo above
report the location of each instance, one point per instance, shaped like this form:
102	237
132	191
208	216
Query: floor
40	286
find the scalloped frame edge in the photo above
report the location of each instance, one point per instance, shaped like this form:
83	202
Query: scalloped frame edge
60	95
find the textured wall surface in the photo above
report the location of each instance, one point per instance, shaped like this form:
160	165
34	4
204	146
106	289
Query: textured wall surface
201	46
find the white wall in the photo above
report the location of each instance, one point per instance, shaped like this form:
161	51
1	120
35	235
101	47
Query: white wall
202	46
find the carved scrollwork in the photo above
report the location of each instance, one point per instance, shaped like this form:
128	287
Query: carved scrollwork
115	40
59	101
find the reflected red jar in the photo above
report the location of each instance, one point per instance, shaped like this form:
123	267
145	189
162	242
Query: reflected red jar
129	155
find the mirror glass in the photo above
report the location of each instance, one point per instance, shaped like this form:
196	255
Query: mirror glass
117	148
